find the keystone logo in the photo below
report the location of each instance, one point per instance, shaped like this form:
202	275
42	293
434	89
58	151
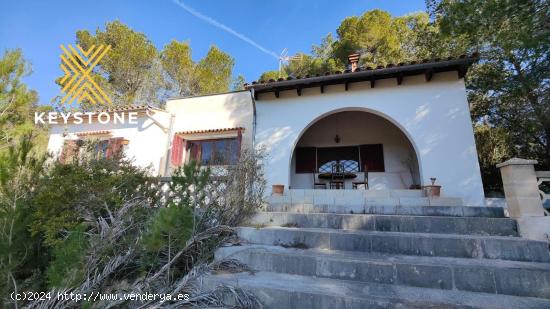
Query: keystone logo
77	83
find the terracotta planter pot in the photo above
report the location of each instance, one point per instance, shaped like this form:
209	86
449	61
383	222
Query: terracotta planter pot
277	189
432	190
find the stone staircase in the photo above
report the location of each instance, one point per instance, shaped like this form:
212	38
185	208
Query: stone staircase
387	249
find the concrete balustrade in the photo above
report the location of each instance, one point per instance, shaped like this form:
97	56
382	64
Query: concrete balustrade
523	198
352	201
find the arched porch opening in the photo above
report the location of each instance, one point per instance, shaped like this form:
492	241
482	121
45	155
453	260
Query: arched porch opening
360	143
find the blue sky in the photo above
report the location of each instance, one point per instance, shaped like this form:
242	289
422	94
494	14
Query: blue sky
39	27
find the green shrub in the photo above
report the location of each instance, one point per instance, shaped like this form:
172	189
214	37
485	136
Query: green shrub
85	189
166	234
65	269
20	254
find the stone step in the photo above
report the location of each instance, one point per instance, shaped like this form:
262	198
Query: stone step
392	223
424	244
285	291
447	211
474	275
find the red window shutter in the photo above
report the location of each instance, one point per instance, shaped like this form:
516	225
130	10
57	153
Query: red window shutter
109	150
114	147
175	146
177	150
68	151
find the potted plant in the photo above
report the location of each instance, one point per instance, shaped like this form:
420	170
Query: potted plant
432	190
277	189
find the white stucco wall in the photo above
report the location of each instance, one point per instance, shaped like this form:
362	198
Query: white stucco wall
218	111
147	141
358	128
434	115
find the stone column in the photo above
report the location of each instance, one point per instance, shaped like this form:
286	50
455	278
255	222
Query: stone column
523	199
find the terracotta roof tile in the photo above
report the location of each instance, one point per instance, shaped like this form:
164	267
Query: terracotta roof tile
130	108
221	130
124	108
459	63
88	133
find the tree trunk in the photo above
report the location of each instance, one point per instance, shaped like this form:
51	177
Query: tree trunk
547	149
169	257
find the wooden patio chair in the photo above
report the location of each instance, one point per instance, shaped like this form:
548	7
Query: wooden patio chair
316	182
337	177
365	182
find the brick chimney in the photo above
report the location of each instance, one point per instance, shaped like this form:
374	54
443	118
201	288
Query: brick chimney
353	61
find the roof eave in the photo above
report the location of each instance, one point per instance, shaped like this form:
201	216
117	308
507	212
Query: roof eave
461	65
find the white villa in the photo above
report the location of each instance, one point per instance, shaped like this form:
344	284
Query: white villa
396	126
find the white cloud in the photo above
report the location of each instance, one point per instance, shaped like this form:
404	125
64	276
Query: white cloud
225	28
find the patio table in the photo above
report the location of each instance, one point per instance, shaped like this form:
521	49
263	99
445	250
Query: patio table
347	175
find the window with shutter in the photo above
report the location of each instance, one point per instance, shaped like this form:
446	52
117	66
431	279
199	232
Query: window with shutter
109	148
